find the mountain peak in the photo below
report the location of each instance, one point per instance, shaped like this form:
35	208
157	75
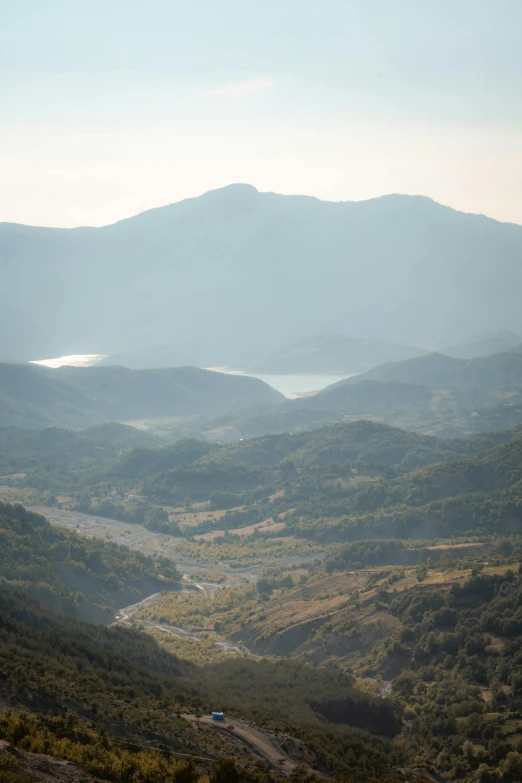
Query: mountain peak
256	271
235	189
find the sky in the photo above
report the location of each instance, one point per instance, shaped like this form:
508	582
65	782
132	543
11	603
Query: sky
111	107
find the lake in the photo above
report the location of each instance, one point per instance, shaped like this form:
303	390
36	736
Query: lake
73	360
290	385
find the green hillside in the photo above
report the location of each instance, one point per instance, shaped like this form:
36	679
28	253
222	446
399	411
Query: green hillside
304	477
28	449
22	448
121	435
318	482
443	638
433	393
140	463
86	578
481	494
344	482
124	682
370	396
340	443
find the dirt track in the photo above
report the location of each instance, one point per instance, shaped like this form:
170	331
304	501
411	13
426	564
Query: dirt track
253	738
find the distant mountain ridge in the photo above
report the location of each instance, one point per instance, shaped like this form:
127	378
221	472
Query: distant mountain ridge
467	385
80	397
334	353
432	393
486	374
502	341
249	271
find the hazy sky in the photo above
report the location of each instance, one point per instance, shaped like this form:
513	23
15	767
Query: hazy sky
109	107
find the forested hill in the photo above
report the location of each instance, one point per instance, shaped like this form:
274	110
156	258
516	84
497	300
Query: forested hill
79	397
308	475
486	374
86	578
481	494
364	441
126	684
23	448
431	390
343	482
275	268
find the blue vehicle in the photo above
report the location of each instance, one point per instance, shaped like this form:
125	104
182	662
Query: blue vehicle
218	716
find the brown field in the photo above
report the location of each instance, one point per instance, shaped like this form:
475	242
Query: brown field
188	519
65	500
18	495
268	525
310	602
450	577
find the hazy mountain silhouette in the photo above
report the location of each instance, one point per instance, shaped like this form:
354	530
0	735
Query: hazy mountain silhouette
330	353
80	397
485	379
248	270
486	345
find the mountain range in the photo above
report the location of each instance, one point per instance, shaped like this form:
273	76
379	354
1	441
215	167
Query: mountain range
429	393
501	341
333	353
248	272
482	376
80	397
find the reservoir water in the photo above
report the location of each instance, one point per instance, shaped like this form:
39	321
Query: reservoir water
289	385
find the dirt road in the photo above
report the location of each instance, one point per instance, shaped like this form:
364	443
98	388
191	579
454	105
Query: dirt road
252	738
124	617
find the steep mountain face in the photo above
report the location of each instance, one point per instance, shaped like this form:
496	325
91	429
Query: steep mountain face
254	269
79	397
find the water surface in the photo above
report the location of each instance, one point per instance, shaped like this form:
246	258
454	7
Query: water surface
290	385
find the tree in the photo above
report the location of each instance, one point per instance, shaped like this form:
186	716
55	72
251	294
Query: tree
224	771
512	766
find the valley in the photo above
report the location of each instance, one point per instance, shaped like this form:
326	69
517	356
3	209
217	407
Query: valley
346	592
260	392
236	566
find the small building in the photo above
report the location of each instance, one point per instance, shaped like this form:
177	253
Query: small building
218	716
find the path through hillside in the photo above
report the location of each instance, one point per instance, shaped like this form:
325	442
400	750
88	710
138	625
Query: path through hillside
254	739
